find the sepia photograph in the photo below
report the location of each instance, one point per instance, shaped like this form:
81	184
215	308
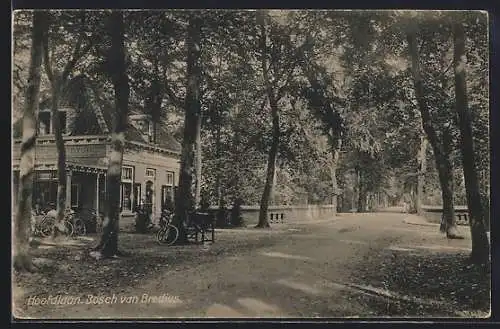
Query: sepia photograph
250	164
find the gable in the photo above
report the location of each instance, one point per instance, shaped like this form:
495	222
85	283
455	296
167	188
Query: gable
94	116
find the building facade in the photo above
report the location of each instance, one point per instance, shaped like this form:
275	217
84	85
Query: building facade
150	163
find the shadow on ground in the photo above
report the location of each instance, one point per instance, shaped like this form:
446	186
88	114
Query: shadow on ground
424	283
68	269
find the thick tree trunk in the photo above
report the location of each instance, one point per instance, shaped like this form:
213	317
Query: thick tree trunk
273	103
22	228
362	191
441	155
218	187
56	84
192	110
333	172
272	193
237	160
422	157
480	243
61	161
108	245
197	195
271	163
445	173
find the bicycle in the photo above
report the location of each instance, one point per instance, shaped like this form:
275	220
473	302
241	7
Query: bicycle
40	227
79	227
48	222
168	233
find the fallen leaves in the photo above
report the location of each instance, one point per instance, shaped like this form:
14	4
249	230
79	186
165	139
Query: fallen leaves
445	277
75	270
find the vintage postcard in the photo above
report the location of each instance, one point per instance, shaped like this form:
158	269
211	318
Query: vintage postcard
201	164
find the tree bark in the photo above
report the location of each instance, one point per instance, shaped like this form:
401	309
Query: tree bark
108	245
443	163
480	243
273	103
56	84
333	173
22	226
61	161
197	195
422	163
271	163
218	187
362	191
192	110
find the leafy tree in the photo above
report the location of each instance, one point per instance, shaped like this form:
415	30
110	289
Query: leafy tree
117	70
480	244
185	200
54	54
21	256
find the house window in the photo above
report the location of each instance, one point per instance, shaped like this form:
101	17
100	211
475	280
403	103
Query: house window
45	126
127	173
150	172
45	189
126	188
170	178
44	123
126	193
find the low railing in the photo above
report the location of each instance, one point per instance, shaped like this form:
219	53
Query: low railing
433	214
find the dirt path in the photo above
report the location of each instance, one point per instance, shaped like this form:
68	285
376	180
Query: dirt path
308	270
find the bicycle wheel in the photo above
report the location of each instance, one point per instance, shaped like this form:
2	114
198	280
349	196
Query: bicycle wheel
160	235
79	227
168	235
46	226
68	228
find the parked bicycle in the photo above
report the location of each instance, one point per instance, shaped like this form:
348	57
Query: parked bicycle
39	226
168	233
45	225
87	220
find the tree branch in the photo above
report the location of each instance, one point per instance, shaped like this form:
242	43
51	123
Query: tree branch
263	61
77	52
46	56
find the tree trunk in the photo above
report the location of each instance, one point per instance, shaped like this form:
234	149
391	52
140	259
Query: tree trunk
441	155
192	110
218	187
333	173
480	243
273	103
61	161
271	162
422	159
272	193
22	226
108	245
362	191
445	173
237	161
197	195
